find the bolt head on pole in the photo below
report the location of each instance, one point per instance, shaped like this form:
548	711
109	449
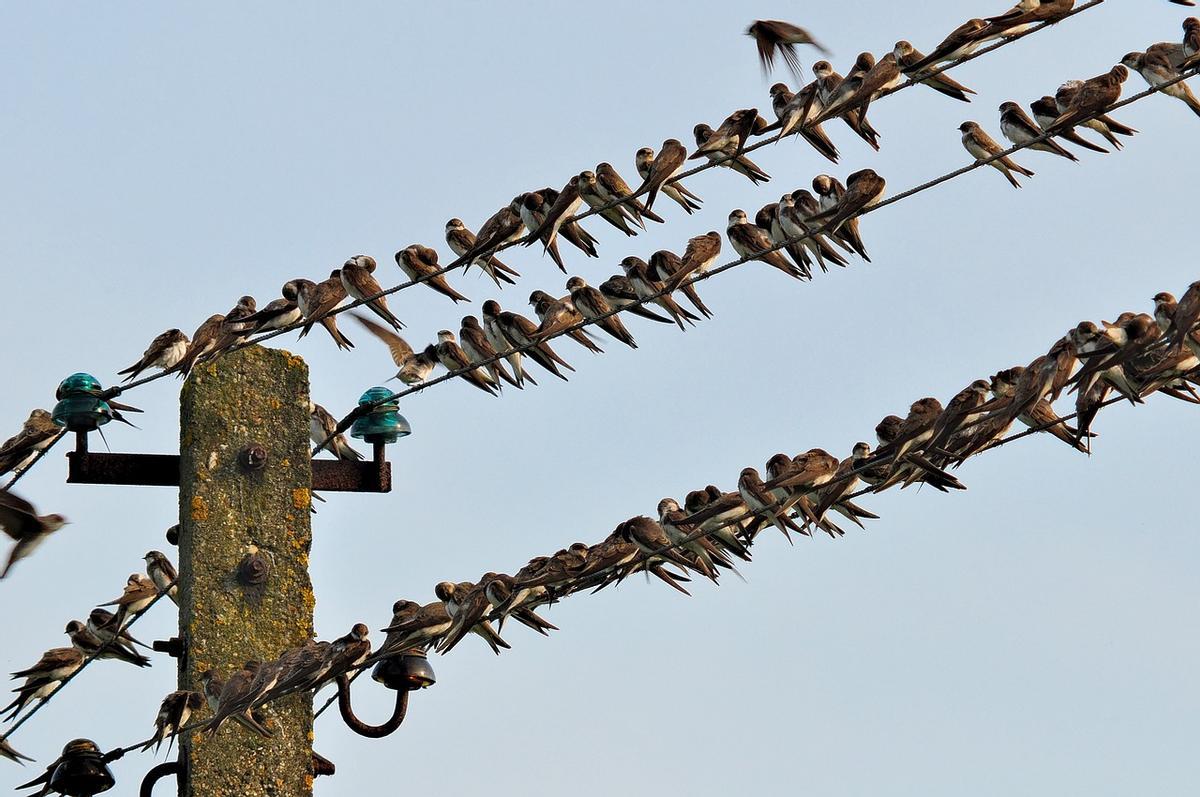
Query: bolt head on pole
81	771
79	409
408	671
384	423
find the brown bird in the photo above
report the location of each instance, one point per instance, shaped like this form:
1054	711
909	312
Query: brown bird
1092	98
21	521
420	264
316	300
772	34
664	166
977	142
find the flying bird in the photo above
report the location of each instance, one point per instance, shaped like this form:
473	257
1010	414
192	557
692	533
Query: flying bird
21	521
414	368
772	34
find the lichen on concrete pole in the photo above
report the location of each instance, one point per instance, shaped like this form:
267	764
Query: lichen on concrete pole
245	593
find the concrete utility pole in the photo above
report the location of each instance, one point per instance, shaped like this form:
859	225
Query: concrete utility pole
245	481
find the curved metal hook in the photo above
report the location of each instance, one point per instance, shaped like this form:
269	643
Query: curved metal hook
360	727
158	773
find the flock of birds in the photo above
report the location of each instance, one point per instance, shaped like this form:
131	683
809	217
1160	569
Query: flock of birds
1135	355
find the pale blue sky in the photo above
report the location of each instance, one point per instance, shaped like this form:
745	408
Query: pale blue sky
1034	635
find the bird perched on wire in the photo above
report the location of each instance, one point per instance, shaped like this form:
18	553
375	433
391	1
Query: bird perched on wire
139	592
977	142
162	572
1156	69
358	278
322	430
773	34
20	520
461	241
37	433
164	352
90	644
43	678
7	751
173	714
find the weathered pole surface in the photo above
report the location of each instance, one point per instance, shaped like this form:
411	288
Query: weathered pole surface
244	541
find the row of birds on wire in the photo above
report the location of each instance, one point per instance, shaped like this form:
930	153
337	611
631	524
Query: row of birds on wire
711	532
1131	357
546	213
771	237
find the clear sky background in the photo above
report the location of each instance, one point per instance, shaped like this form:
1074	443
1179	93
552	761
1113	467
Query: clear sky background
1033	635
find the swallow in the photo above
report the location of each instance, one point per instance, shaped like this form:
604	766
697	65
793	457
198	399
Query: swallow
1023	16
162	572
236	328
828	82
1045	111
103	625
1157	71
1041	415
592	305
652	541
772	34
864	190
1105	125
534	210
22	523
619	292
751	241
701	253
520	334
834	496
664	266
728	158
467	607
916	430
499	589
358	279
1187	315
661	168
1092	97
451	355
349	652
416	626
9	752
164	352
613	188
797	113
977	142
907	57
829	193
960	412
501	228
174	712
203	342
461	241
767	220
414	368
882	76
650	290
139	592
1164	311
43	678
795	214
961	41
317	300
234	696
1018	128
558	315
732	135
322	430
92	646
474	341
643	161
37	433
500	344
420	264
1191	43
617	215
279	313
213	686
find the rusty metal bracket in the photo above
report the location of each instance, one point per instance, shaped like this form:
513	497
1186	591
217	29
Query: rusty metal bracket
158	773
360	727
162	470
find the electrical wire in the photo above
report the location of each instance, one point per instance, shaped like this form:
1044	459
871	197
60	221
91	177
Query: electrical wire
713	163
17	476
364	409
90	658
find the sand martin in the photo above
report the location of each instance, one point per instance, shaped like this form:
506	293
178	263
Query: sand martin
451	355
908	56
961	41
138	594
982	146
751	241
20	520
420	264
644	161
474	341
618	216
322	430
728	158
558	315
7	751
317	300
1157	71
37	433
592	305
164	352
649	289
661	168
173	714
1045	111
1018	128
665	266
619	292
414	368
358	278
461	241
43	678
89	644
864	190
1092	97
519	333
773	34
